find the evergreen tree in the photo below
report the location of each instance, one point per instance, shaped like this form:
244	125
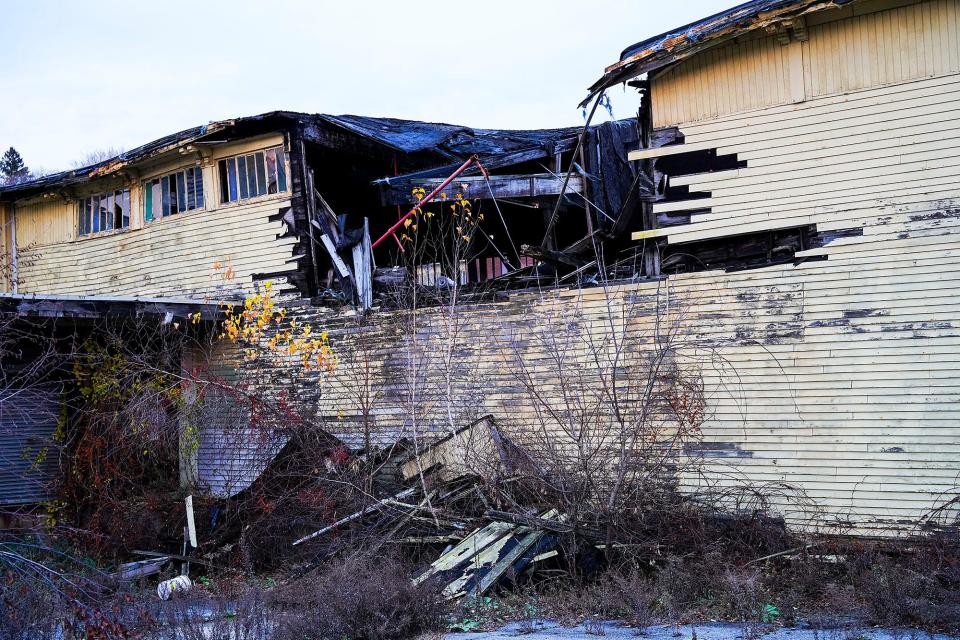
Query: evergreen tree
12	167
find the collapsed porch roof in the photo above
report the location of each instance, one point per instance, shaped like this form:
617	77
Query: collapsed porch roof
91	307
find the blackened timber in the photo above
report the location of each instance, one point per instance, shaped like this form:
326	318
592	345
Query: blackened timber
551	256
92	307
489	163
477	188
305	277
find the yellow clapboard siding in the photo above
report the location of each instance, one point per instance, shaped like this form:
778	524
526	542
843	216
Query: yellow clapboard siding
173	256
878	46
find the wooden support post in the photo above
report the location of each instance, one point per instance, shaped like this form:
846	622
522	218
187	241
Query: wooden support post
363	268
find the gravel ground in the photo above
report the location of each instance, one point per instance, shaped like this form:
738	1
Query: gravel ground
713	631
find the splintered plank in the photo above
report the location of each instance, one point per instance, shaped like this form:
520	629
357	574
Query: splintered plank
484	557
451	564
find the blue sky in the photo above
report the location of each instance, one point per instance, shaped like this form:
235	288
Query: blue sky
76	77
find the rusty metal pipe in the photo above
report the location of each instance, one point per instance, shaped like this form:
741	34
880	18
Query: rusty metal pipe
392	231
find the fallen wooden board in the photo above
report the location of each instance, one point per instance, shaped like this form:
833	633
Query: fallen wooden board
479	443
485	556
140	568
359	514
451	564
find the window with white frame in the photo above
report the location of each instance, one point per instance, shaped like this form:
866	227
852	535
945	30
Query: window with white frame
252	175
103	212
173	193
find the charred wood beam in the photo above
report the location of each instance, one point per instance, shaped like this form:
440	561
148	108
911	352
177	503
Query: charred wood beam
587	242
92	308
476	188
490	163
553	257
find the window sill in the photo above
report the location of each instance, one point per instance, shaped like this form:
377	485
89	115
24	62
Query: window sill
155	221
283	195
101	234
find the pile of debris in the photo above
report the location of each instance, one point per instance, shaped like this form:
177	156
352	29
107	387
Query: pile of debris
443	502
463	521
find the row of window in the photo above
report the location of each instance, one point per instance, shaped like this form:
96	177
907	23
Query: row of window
241	177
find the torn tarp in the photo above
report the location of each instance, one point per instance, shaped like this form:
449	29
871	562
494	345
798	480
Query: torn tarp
455	141
617	185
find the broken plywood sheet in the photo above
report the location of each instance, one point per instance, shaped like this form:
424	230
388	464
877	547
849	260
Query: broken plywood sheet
474	449
485	556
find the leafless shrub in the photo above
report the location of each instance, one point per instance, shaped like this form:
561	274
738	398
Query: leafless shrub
26	612
46	590
638	595
232	612
594	627
360	597
916	590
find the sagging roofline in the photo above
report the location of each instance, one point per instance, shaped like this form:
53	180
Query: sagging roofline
444	143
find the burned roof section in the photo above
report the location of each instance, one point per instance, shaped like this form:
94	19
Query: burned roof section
221	130
680	43
442	143
454	141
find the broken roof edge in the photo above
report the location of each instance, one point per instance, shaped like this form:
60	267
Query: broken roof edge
690	39
405	136
78	306
144	152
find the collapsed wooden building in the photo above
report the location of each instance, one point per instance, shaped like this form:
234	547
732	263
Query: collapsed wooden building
780	216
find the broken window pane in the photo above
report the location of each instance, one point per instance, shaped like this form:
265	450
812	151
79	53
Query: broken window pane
157	200
242	169
191	192
224	192
232	173
181	194
125	208
271	160
174	179
261	176
165	195
251	176
108	211
198	182
83	217
281	170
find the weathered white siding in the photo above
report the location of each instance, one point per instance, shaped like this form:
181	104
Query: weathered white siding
173	256
170	256
857	401
869	44
839	378
227	447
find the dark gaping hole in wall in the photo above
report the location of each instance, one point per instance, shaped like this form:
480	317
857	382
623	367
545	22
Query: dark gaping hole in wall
345	181
734	253
704	161
694	162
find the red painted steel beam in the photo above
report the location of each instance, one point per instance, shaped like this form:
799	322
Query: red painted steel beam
392	231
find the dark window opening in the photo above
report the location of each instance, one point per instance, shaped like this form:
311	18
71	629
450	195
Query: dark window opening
103	212
174	193
252	175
